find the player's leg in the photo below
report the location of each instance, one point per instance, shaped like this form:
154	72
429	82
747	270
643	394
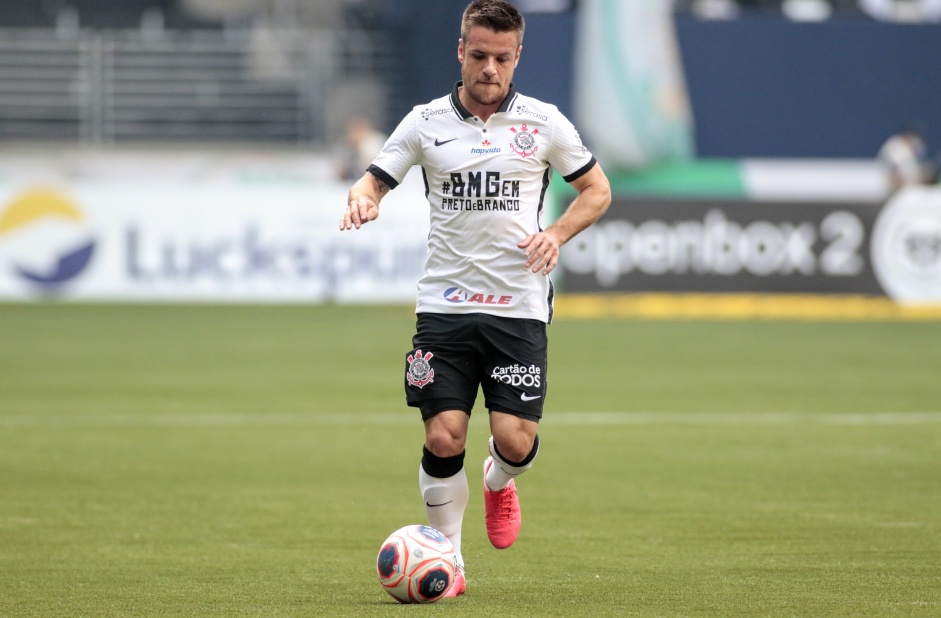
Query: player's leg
501	500
441	380
515	389
514	444
441	476
443	481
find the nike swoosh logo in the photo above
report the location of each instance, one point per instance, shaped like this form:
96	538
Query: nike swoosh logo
447	141
429	504
526	397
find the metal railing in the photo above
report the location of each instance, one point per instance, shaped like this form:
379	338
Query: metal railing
114	87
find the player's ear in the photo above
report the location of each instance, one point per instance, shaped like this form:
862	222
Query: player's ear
460	50
519	52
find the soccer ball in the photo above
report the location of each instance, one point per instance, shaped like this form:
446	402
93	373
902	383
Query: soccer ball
416	564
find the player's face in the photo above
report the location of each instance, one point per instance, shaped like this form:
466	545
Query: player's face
488	60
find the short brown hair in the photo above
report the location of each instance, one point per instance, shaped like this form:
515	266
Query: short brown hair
496	15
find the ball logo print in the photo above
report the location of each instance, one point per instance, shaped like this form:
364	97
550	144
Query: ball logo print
416	564
45	239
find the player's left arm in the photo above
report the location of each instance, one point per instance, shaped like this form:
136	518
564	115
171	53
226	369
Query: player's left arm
594	197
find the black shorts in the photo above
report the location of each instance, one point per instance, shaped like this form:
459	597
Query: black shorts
454	354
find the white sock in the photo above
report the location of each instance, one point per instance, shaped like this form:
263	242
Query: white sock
445	500
502	472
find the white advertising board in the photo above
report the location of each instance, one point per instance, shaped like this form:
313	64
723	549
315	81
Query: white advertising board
214	242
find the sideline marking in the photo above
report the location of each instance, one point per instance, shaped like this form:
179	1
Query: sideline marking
406	417
745	418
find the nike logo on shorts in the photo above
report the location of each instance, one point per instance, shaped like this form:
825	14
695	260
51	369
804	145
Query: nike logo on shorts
526	397
447	141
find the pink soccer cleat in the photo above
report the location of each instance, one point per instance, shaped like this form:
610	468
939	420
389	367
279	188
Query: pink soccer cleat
458	587
502	512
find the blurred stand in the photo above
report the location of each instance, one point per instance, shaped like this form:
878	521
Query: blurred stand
630	95
904	157
293	72
901	11
363	142
132	72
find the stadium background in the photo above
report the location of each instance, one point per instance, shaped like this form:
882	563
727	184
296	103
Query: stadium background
200	378
187	150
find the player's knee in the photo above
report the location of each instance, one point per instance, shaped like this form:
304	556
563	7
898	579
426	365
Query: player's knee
514	437
515	447
444	441
444	445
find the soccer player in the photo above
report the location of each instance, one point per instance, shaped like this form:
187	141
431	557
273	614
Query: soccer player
487	154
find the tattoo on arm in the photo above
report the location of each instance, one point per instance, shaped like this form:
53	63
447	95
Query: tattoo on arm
383	188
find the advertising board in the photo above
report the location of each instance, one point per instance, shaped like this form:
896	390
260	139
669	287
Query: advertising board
177	242
648	244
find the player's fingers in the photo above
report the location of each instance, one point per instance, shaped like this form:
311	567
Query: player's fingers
542	261
532	254
546	256
550	266
536	256
356	217
535	247
541	250
346	222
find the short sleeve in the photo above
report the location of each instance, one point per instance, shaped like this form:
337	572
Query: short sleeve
568	155
400	152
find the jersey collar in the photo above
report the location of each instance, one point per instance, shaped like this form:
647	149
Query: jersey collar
459	107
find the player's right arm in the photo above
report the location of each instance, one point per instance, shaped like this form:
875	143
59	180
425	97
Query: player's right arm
363	201
400	152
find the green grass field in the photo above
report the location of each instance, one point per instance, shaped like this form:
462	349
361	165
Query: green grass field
249	461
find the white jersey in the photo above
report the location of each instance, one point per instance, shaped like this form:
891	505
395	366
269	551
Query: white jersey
485	183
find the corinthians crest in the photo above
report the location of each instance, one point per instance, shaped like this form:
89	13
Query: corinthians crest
420	372
524	142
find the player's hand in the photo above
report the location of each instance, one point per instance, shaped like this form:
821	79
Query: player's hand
542	252
359	211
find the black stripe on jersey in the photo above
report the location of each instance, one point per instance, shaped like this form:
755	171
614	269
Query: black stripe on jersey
383	175
508	101
546	177
456	101
551	300
580	172
424	177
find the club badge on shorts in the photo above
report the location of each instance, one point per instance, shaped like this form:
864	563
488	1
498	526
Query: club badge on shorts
420	372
